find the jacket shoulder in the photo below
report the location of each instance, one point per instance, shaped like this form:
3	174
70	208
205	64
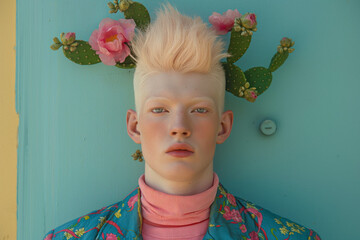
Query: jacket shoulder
84	227
273	226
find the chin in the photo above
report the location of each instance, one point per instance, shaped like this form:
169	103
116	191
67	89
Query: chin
180	171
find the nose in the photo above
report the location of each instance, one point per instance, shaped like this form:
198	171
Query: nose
180	126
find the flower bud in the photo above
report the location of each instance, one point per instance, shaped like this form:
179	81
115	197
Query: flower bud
237	28
244	33
250	95
111	5
124	5
56	40
72	49
291	50
69	38
247	85
55	46
286	42
248	20
75	44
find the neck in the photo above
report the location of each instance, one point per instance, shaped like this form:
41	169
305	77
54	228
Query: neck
183	186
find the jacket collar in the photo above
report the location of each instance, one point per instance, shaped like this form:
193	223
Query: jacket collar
225	218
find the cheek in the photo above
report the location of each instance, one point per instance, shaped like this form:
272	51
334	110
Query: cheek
151	131
207	131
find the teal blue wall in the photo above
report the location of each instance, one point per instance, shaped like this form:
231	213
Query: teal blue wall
74	152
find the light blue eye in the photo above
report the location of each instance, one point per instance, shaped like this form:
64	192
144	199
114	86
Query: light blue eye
157	110
201	110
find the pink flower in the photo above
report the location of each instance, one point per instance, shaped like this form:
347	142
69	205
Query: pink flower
67	38
49	237
111	236
227	215
236	215
248	20
233	214
243	228
70	36
132	201
250	95
317	237
223	23
254	236
109	40
231	199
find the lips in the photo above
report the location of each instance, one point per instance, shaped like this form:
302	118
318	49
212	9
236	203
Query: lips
180	150
180	147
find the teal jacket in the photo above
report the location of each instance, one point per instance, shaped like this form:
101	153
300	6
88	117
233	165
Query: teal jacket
230	218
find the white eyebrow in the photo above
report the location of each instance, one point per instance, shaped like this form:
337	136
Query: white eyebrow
197	99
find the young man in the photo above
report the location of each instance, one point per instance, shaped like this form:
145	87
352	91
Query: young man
179	87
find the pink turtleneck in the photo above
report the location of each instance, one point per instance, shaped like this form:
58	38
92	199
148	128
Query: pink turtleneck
168	216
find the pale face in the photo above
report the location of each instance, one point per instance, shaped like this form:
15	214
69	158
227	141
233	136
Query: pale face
179	109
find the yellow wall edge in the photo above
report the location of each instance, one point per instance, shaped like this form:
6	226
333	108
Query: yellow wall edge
9	122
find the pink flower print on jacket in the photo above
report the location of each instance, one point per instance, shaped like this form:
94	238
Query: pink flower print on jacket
224	23
49	237
254	236
243	228
111	236
109	40
132	202
231	199
232	214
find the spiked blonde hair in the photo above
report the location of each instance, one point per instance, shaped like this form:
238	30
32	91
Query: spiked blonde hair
175	42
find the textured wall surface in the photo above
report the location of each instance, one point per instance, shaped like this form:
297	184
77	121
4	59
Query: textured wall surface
9	122
74	152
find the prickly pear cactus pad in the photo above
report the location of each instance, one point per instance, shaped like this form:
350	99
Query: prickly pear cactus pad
238	46
259	77
82	54
248	85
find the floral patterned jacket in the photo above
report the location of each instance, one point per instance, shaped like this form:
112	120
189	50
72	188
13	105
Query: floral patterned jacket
230	218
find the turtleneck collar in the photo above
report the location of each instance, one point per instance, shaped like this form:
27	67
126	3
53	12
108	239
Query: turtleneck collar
160	208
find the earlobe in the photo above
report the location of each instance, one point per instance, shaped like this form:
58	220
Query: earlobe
226	126
132	123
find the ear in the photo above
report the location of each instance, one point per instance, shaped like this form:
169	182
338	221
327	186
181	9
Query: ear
132	123
225	126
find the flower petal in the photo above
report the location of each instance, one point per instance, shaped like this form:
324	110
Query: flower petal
107	60
93	40
129	28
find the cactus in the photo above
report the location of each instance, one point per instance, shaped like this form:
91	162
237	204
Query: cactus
128	63
83	54
139	13
238	45
249	84
235	78
132	10
282	54
277	60
259	77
